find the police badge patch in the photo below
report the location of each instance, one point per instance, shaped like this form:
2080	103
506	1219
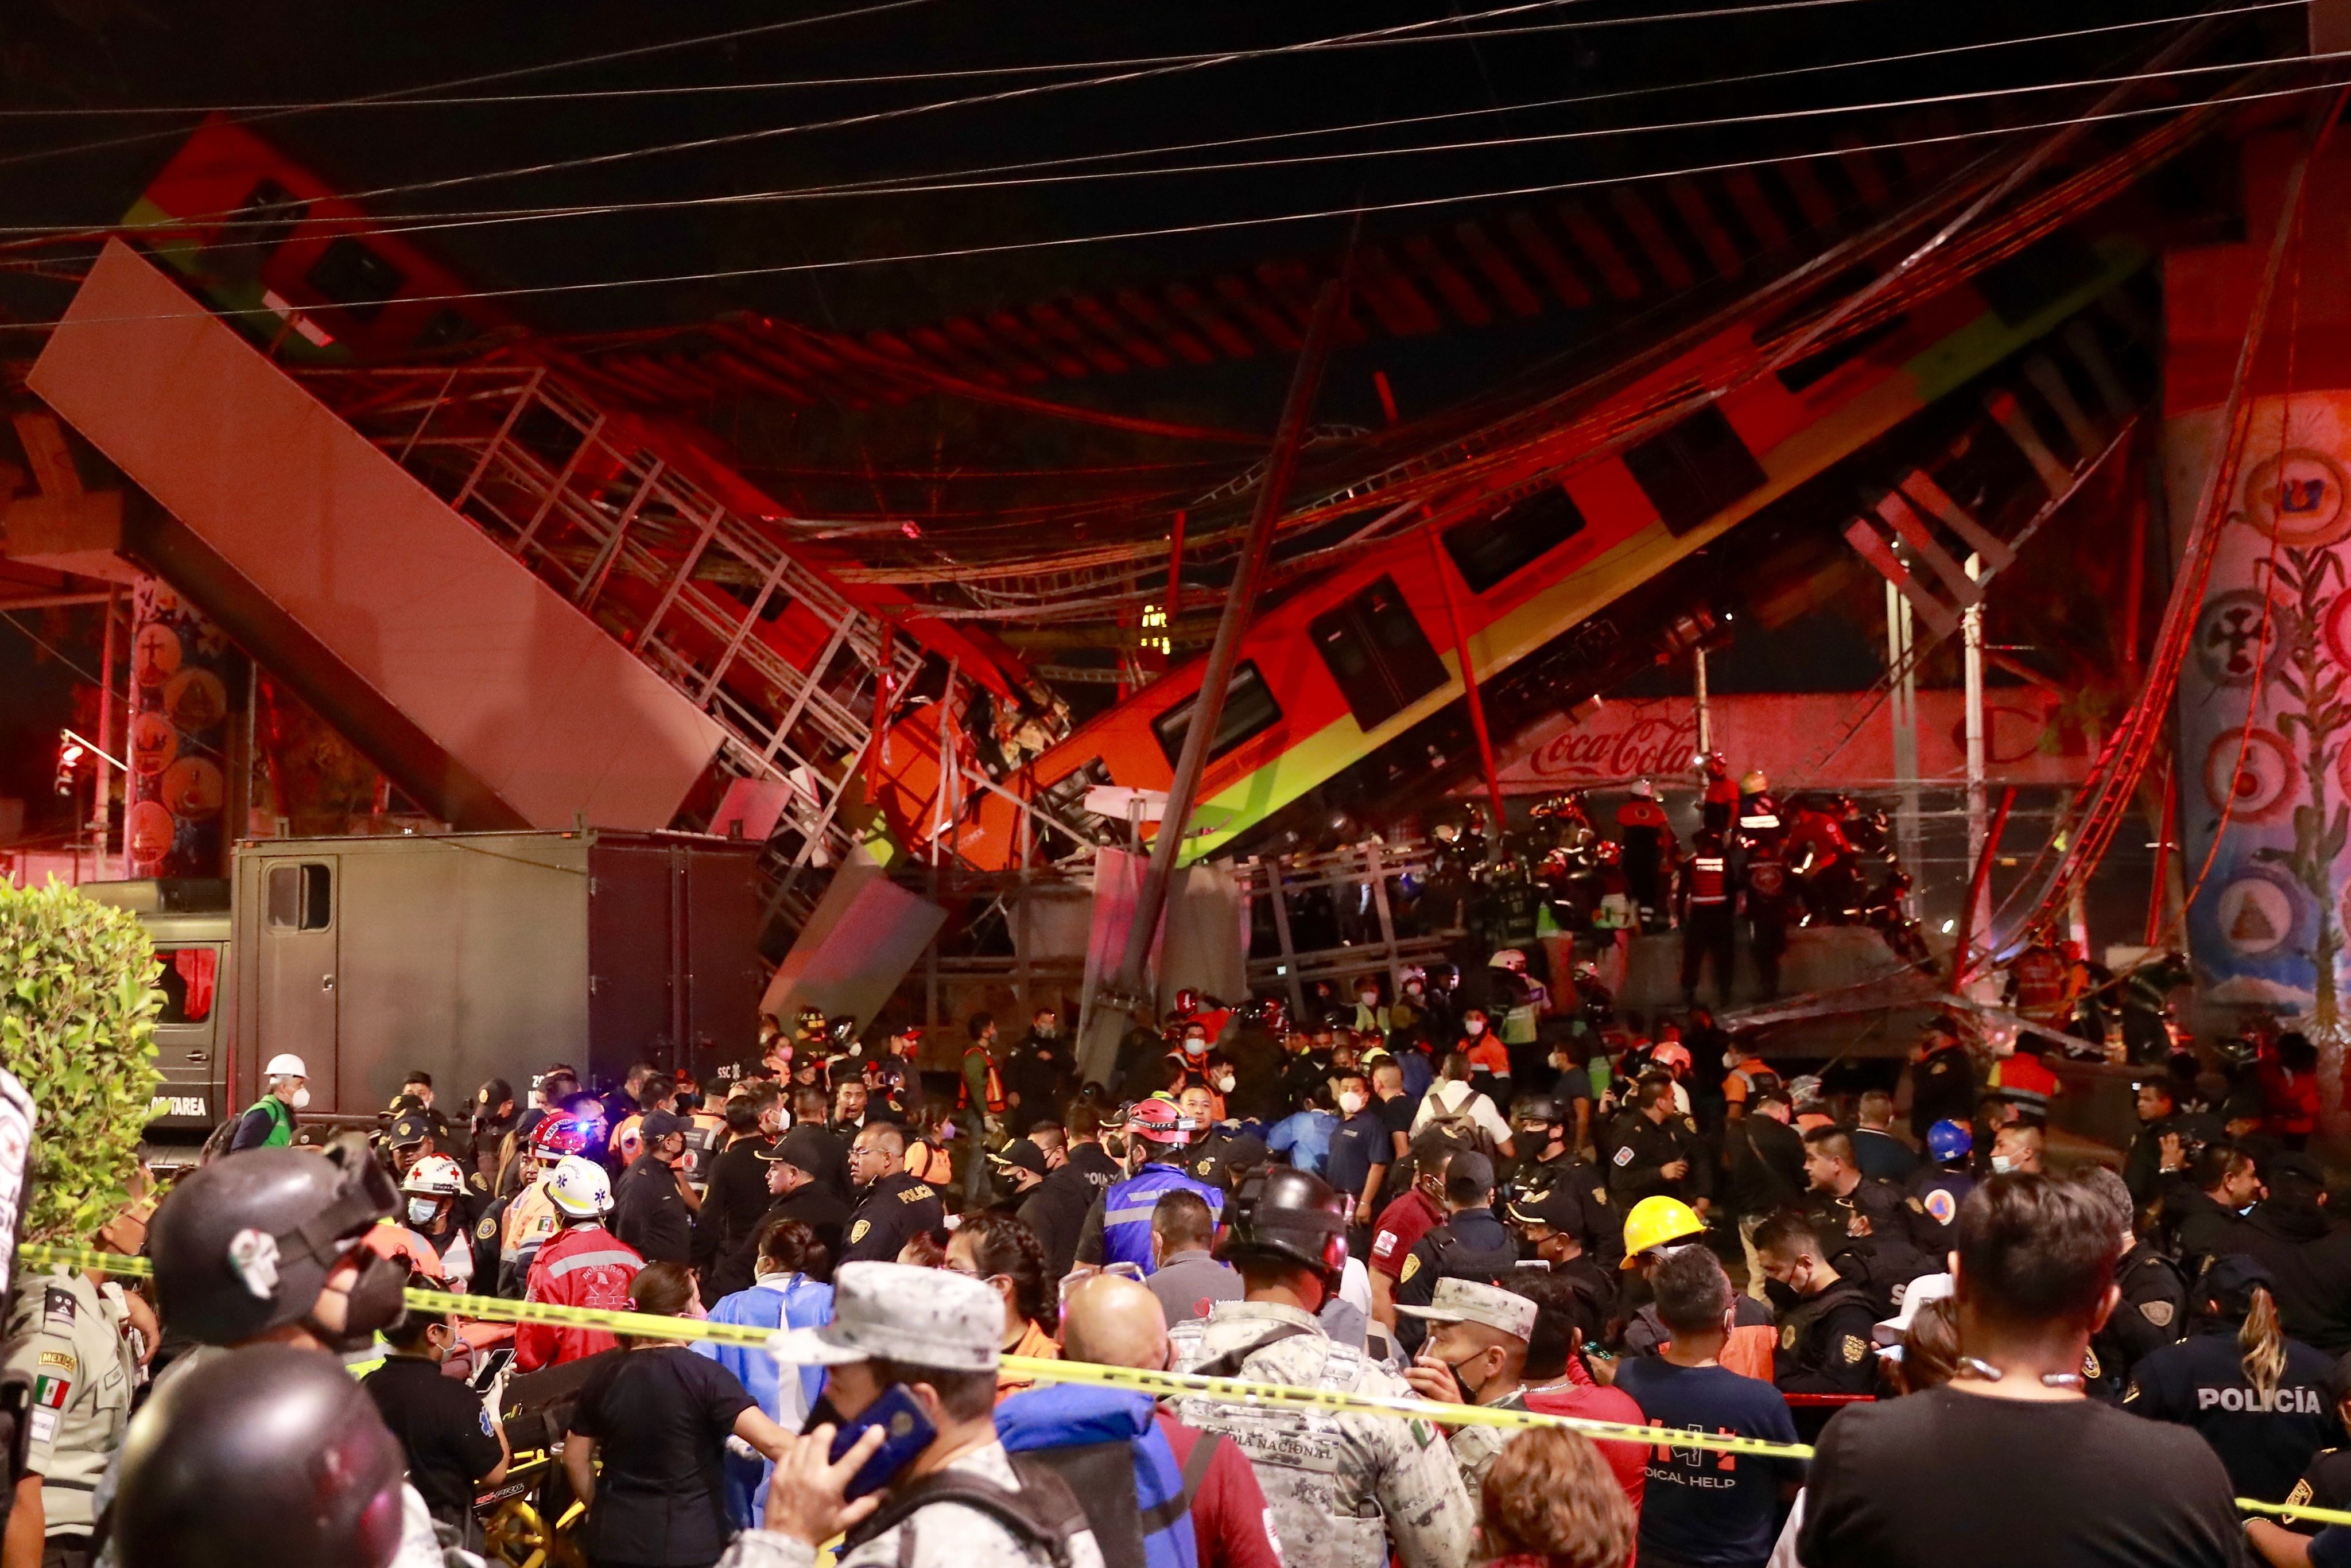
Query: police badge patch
857	1232
1852	1349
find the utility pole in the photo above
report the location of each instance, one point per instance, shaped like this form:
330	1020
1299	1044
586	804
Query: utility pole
1130	987
1979	917
1705	715
1904	714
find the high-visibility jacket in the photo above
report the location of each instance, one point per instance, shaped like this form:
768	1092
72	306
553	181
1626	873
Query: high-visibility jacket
586	1266
993	1096
1127	1207
628	1139
1710	882
531	1217
2025	1078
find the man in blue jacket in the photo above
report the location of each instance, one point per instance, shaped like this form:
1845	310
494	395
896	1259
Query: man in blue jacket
1118	1227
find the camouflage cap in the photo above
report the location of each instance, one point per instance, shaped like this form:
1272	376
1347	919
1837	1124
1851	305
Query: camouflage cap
1473	1301
895	1312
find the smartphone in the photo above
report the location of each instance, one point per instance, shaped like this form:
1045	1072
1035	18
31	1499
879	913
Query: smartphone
907	1433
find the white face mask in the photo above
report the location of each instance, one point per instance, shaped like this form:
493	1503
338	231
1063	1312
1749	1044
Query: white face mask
301	1099
421	1210
1475	1028
1351	1102
1732	1059
1195	1046
1369	998
2001	1164
1224	1082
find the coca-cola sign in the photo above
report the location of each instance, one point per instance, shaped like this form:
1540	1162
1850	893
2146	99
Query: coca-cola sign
1798	738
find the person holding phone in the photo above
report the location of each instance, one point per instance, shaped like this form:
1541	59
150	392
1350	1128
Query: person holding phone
903	1457
659	1416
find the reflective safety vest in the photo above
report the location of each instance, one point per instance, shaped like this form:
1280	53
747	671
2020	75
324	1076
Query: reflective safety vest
995	1091
1708	883
281	1122
531	1218
2025	1078
2038	975
1128	1208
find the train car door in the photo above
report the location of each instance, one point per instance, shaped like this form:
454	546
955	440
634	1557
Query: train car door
298	970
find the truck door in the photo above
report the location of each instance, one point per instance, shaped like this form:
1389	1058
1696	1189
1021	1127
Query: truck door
297	969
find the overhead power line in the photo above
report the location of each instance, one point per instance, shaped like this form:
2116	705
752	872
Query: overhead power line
717	275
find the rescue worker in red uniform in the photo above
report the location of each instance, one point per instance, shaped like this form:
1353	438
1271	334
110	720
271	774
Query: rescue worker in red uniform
1648	845
1768	893
1759	810
1718	802
1706	917
583	1265
2024	1081
1822	858
2036	986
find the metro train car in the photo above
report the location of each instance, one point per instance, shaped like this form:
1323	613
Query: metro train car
1341	668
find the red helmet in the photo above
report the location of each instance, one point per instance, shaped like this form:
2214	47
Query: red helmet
1159	1121
1188	1001
557	1137
1672	1054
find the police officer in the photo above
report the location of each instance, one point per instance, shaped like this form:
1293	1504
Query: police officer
2266	1403
892	1206
1118	1227
1340	1485
1658	1153
2152	1313
1471	1244
1550	1224
70	1342
1826	1321
1553	1176
1943	1081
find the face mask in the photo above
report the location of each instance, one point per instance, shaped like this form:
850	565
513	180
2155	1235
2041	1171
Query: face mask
1475	1028
1195	1046
301	1099
1461	1377
2001	1164
423	1210
1730	1059
1351	1102
1114	1145
1369	998
1224	1082
1782	1296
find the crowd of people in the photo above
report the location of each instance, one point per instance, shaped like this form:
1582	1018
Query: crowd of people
1469	1194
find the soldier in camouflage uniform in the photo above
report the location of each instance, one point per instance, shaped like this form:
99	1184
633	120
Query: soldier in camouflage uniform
1476	1353
1340	1484
67	1340
963	1501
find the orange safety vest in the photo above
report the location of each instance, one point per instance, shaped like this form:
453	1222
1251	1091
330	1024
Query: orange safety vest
995	1083
2025	1078
927	1163
531	1219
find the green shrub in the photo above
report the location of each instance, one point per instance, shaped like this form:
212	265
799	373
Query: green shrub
77	1006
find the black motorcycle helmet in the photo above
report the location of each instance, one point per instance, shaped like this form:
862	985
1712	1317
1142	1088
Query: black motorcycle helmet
267	1451
243	1245
1291	1215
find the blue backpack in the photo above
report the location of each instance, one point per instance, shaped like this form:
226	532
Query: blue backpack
1119	1465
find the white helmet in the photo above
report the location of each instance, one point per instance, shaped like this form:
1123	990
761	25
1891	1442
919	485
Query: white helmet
284	1064
434	1175
579	1187
1508	958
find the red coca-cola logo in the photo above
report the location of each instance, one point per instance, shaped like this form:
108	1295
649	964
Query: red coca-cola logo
1638	742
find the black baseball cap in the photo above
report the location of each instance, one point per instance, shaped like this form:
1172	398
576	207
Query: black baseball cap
803	1147
411	1128
659	1125
1554	1208
1467	1175
1020	1154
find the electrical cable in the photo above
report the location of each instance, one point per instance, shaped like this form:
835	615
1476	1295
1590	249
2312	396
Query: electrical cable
1213	225
963	180
731	139
590	95
635	52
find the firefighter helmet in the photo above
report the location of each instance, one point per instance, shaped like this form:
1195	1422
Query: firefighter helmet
1157	1121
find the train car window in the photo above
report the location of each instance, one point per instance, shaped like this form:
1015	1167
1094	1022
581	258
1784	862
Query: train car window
1490	549
262	222
354	277
1376	651
1694	469
1250	709
302	897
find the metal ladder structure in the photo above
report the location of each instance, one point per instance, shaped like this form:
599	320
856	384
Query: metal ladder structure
770	647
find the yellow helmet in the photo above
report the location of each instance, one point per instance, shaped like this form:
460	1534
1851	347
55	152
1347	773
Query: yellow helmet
1656	1221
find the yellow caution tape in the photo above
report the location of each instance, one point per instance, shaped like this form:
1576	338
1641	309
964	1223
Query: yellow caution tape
2288	1513
1239	1390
